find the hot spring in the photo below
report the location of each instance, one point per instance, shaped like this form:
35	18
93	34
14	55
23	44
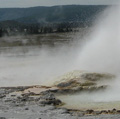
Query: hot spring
96	52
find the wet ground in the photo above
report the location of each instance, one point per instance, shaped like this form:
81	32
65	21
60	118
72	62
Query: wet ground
15	106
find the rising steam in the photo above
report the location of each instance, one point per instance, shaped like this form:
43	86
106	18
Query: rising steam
101	53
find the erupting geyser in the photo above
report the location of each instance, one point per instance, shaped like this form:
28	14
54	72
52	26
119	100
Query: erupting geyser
101	54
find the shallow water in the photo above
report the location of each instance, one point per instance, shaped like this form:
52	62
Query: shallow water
85	103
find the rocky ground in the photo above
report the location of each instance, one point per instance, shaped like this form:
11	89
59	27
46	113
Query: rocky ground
40	102
17	103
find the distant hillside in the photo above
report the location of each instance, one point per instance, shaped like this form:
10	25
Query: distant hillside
55	14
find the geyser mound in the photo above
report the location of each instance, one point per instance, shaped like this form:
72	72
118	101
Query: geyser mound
85	90
78	81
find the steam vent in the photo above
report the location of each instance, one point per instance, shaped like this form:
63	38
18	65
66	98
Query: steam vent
77	81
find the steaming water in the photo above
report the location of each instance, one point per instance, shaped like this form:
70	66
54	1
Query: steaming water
37	65
86	101
33	65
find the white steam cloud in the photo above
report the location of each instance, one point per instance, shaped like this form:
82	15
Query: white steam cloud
102	54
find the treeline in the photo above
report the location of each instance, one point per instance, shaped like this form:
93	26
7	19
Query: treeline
10	28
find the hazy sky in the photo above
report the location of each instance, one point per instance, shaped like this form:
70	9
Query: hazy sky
30	3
